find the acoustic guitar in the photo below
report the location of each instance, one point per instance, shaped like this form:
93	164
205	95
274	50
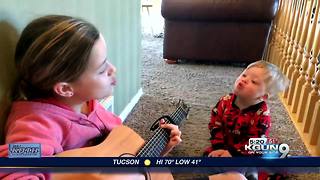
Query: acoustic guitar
123	141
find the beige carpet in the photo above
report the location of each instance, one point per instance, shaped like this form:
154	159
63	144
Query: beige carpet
200	86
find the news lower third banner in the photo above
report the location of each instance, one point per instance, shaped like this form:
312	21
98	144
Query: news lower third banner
24	156
175	164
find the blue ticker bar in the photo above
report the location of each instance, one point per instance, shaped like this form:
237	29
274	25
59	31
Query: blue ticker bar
172	164
159	162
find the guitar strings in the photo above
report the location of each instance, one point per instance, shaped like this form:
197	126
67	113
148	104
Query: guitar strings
158	133
179	113
164	133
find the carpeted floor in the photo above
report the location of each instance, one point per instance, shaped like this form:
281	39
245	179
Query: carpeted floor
200	86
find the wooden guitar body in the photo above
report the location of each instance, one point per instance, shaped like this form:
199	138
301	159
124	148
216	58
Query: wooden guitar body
121	141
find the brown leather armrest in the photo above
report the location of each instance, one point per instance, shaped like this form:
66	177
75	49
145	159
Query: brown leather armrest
220	10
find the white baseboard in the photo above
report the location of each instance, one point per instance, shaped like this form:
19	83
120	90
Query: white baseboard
123	115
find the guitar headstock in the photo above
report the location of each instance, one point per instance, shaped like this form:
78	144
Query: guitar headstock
182	111
183	106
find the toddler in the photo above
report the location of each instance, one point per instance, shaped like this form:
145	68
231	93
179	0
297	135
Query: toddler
244	114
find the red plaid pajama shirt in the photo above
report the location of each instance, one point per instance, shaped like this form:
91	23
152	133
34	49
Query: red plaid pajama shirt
231	128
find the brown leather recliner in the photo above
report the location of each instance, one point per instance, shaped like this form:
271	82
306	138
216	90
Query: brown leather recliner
217	30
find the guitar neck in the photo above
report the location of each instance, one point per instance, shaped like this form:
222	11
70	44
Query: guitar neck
155	145
160	138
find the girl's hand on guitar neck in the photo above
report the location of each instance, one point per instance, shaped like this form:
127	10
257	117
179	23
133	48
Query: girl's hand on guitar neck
175	136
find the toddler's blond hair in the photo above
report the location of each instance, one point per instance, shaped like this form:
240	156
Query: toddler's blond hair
275	80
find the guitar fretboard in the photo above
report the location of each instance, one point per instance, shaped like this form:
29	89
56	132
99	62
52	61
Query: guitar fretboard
160	138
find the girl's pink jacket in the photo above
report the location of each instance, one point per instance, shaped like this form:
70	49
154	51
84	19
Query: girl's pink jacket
56	127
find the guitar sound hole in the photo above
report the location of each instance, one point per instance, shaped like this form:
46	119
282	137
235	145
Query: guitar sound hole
127	155
144	172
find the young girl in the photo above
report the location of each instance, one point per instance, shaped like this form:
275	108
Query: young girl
63	68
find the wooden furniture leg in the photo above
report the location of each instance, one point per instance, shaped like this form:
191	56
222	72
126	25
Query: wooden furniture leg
171	61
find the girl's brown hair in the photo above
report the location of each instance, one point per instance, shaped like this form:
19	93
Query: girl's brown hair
52	49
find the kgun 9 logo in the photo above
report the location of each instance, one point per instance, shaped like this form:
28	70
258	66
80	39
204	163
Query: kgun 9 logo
266	146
